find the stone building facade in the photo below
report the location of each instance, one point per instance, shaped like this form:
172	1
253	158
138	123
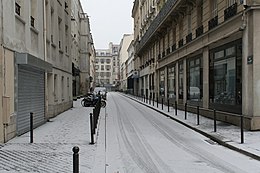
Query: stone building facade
107	67
35	63
203	53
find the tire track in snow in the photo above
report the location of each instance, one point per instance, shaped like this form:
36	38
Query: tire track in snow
179	141
143	145
137	150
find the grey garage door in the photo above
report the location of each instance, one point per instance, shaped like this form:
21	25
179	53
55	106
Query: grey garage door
31	98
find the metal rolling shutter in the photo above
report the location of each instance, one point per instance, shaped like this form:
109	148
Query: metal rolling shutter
31	98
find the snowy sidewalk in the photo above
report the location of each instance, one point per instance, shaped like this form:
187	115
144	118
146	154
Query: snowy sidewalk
227	134
52	148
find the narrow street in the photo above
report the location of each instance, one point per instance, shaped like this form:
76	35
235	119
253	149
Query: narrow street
142	140
131	138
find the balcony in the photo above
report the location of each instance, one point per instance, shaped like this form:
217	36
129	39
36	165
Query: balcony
163	54
159	56
180	43
213	22
199	31
189	38
168	50
230	11
174	47
156	23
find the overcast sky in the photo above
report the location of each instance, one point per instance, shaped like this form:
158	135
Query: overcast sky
109	20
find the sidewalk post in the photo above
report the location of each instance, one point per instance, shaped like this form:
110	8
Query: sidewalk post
157	101
75	159
176	108
91	129
215	121
168	105
198	115
185	115
153	99
162	103
31	127
242	129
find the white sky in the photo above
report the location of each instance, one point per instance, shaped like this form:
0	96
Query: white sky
109	20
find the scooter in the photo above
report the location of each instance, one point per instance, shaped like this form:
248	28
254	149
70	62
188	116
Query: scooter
91	100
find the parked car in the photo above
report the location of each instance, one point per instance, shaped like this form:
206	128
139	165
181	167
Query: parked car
102	91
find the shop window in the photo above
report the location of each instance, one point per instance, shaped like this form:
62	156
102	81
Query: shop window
194	79
161	84
226	77
171	83
181	79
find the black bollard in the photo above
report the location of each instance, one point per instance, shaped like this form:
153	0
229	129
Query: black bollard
215	121
242	128
198	115
162	103
31	127
176	108
75	159
168	105
185	115
153	100
91	129
157	101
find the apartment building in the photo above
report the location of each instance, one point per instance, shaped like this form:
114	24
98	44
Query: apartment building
203	53
83	51
35	63
58	53
23	66
107	67
123	56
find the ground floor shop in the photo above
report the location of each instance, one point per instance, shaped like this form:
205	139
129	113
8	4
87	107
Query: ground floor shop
221	75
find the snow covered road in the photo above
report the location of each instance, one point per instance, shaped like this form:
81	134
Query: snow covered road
139	139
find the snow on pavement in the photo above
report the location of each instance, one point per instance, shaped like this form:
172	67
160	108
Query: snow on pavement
52	148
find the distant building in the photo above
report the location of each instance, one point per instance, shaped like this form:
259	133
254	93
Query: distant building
107	67
203	53
123	56
82	50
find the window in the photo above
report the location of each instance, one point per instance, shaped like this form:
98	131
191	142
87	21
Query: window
108	61
231	2
102	67
102	61
226	77
214	8
108	74
62	87
161	84
108	67
55	87
34	11
194	79
97	60
96	67
181	79
199	13
171	82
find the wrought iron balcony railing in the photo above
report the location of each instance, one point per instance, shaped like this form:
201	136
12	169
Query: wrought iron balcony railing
199	31
213	22
189	38
230	11
156	23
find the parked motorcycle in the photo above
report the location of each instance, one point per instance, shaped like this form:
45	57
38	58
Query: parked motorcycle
91	100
